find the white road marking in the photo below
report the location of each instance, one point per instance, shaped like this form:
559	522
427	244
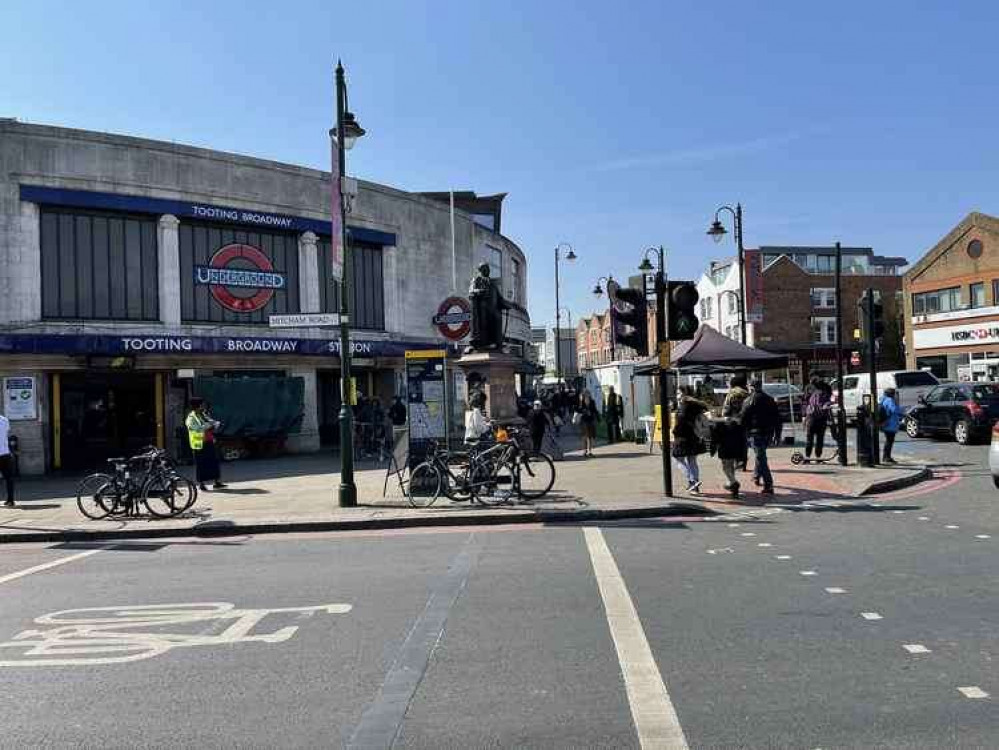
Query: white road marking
733	525
835	590
807	572
871	616
783	557
924	518
747	533
720	549
898	511
655	718
916	648
764	544
973	692
112	635
47	566
951	526
982	536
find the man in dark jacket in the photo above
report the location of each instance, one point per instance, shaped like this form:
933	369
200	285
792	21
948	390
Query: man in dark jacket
761	420
613	411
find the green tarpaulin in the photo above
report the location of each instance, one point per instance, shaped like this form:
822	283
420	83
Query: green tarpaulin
254	407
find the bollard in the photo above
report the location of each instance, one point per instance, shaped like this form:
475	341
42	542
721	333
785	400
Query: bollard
864	435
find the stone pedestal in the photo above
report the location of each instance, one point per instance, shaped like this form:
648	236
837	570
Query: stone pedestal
493	373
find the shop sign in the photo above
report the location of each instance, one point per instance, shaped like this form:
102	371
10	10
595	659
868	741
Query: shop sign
966	335
240	277
454	318
19	399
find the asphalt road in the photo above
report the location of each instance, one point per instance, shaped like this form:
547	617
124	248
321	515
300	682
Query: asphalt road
865	625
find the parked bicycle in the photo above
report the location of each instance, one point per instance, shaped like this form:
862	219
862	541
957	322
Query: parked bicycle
148	479
490	474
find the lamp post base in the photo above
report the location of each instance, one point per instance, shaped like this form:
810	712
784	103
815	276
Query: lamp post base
347	496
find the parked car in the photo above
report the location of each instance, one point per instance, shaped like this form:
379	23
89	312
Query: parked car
964	411
909	385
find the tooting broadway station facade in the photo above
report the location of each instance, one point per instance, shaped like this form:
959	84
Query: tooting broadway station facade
129	268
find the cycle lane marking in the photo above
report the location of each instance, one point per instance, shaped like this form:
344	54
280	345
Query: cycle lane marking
49	565
652	710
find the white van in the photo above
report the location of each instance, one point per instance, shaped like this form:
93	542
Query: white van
908	384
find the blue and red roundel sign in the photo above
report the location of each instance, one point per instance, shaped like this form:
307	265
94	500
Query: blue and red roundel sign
240	277
454	318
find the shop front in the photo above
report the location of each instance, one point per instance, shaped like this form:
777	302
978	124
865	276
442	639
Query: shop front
964	352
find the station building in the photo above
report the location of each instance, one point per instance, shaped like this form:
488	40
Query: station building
130	269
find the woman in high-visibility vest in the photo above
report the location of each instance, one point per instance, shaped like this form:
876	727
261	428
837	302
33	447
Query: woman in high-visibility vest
201	437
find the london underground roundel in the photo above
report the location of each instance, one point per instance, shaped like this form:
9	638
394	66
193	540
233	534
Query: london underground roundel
240	277
454	318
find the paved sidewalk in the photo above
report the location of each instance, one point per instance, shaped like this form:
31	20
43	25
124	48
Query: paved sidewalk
298	493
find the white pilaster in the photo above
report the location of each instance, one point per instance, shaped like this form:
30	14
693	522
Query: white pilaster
307	439
23	284
308	272
392	292
169	251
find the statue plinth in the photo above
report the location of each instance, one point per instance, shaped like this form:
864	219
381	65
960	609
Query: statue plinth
496	372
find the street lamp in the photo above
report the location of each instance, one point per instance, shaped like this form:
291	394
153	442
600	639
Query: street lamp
717	232
661	287
558	340
598	290
346	134
570	256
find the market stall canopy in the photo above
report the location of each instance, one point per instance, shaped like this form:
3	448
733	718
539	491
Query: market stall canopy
709	352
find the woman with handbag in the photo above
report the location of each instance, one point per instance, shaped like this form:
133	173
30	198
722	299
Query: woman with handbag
588	415
688	437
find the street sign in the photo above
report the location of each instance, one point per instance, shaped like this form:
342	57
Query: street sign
304	320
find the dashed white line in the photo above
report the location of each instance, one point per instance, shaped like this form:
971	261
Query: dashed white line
924	518
747	533
951	526
807	572
733	525
916	648
871	616
982	536
46	566
898	511
835	590
783	557
764	544
972	692
656	722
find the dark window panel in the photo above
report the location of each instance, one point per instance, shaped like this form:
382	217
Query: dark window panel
50	265
67	267
102	259
133	269
85	267
116	268
186	252
150	272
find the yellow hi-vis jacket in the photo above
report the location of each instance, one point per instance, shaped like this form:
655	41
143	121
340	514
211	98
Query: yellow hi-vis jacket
196	427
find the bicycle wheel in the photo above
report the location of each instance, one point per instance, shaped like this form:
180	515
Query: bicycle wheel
167	494
457	488
494	483
91	498
535	475
424	485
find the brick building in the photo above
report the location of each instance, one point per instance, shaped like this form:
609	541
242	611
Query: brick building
952	303
593	343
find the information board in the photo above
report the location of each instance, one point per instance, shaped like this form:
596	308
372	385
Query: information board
426	401
19	399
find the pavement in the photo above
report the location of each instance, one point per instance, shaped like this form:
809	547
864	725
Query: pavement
298	493
850	623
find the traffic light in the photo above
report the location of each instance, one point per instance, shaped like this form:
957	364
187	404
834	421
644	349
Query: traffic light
681	306
630	319
879	319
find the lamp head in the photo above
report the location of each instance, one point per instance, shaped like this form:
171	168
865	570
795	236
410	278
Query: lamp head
717	231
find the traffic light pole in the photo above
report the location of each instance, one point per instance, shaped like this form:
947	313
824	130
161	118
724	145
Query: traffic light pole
661	345
840	415
873	369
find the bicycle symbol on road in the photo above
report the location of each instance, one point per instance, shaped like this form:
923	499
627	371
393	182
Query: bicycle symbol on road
114	635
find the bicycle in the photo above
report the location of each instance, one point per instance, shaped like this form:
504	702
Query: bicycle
486	470
149	478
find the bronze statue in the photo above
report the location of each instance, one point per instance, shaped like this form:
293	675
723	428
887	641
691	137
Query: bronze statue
487	312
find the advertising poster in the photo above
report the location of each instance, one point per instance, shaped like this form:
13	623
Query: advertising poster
19	399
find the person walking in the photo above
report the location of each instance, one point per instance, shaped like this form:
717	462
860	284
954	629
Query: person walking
538	423
817	407
201	437
588	416
397	412
728	442
613	410
890	417
688	437
6	460
732	407
761	421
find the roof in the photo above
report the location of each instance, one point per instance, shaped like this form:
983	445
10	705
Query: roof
879	260
710	351
973	220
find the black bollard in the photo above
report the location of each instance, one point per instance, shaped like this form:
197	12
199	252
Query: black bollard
864	446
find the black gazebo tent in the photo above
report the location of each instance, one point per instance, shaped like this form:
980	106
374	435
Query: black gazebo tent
709	352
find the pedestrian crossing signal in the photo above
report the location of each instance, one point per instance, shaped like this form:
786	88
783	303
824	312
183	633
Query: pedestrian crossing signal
630	316
681	301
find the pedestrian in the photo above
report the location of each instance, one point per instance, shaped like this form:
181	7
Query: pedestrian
201	429
732	408
6	460
397	412
728	442
817	409
692	426
538	422
588	422
477	425
613	410
761	421
889	417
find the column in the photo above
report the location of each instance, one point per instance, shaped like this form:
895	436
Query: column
306	439
308	272
21	270
392	294
168	238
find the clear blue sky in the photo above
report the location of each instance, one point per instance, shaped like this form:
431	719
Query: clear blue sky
612	127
